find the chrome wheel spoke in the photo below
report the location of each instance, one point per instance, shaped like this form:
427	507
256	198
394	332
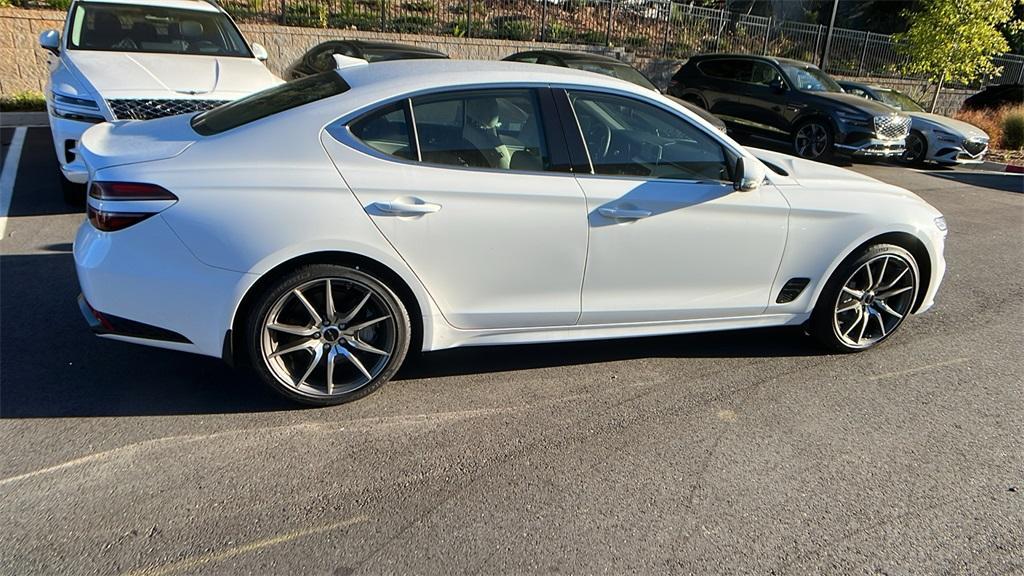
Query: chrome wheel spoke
855	293
307	344
352	313
331	357
881	322
896	292
893	283
885	308
881	275
360	345
860	315
309	307
353	330
863	327
329	300
354	360
318	353
293	330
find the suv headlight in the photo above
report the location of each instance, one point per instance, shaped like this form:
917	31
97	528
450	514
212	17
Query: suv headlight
72	101
77	109
854	118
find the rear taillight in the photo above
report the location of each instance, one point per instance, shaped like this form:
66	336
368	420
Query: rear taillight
139	201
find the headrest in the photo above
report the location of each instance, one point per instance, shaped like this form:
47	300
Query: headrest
191	29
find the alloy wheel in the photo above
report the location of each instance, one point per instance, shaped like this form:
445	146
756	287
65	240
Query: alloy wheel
915	149
875	299
811	140
328	337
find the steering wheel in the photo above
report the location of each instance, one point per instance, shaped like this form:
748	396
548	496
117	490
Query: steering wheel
599	139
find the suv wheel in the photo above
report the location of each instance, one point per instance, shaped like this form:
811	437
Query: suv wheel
813	140
917	147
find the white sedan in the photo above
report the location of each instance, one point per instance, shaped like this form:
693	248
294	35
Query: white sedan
319	230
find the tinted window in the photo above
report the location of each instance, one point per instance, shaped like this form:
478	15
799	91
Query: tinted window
764	73
386	130
900	100
482	129
138	28
810	78
631	138
856	92
268	102
620	71
736	70
323	59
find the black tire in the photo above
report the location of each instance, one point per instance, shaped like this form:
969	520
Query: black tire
74	194
386	300
824	325
917	149
814	124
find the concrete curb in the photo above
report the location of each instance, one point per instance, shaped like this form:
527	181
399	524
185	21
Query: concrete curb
995	167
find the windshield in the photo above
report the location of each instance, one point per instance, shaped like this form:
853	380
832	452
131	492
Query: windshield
810	78
620	71
154	29
899	100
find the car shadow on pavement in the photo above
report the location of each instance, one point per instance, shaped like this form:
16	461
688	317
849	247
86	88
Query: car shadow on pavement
1006	182
38	183
53	366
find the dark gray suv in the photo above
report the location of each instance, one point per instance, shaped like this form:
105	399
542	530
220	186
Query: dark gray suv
792	101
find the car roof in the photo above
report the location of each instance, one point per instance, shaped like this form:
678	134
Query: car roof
403	76
393	46
773	59
200	5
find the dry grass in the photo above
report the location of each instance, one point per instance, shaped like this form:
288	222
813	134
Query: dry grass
994	123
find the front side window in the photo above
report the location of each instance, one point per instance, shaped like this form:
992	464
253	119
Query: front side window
810	78
498	129
627	137
900	100
154	29
765	74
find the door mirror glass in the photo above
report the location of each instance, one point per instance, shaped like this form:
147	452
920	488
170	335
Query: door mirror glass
259	52
50	40
749	175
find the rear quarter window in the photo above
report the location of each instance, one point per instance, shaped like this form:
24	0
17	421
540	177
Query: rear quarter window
269	102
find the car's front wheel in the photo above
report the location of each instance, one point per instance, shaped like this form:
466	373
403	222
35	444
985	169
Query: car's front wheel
327	334
813	140
867	298
916	149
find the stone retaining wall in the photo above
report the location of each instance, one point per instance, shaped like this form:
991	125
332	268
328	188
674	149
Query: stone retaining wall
23	63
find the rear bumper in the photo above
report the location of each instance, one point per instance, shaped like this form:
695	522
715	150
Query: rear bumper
108	324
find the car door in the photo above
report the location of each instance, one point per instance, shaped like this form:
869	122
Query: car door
725	79
477	198
669	237
768	99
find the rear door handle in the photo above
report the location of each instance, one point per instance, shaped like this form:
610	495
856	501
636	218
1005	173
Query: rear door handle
406	208
624	213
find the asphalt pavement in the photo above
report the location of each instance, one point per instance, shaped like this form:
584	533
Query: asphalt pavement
729	453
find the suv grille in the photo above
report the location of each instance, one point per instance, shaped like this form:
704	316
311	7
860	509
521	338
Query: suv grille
149	109
975	147
892	127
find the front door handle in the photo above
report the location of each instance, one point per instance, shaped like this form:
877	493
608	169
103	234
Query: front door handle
406	208
624	213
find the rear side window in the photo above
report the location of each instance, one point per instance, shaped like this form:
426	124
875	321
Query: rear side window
269	102
387	130
735	70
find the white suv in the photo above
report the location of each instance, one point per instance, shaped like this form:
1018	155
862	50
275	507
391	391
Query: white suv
142	59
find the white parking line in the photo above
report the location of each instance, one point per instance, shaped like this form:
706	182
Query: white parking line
9	175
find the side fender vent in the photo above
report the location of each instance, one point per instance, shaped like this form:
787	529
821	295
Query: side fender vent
791	290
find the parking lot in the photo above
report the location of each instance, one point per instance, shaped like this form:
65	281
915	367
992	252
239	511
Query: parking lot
740	452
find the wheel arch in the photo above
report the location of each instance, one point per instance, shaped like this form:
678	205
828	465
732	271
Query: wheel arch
906	240
234	349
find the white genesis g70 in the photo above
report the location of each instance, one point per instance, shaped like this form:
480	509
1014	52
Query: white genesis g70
316	231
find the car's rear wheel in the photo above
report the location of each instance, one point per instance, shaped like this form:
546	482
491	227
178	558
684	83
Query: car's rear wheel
813	140
866	299
916	149
327	334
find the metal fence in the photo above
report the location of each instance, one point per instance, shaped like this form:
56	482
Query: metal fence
650	28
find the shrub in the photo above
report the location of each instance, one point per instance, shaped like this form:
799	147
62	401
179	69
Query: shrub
419	6
513	28
27	101
1013	129
411	23
556	32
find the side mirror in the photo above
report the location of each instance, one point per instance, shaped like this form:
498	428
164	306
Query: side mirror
50	40
748	176
259	52
777	85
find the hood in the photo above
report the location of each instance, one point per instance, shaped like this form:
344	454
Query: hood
819	176
132	141
127	74
926	121
870	107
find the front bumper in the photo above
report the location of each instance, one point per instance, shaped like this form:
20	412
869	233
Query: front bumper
950	154
874	148
66	136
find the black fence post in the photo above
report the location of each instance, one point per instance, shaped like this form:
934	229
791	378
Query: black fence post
608	30
383	15
767	36
544	22
469	18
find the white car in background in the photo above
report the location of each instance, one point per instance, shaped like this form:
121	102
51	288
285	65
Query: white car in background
319	230
142	59
933	137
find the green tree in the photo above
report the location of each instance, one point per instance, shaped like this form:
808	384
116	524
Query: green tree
954	40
